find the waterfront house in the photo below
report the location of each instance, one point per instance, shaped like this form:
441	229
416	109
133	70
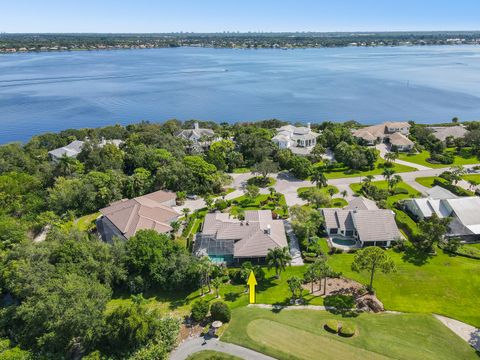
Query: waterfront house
123	218
75	147
299	139
444	132
227	239
372	135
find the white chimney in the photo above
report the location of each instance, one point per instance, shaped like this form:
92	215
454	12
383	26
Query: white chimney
196	126
269	229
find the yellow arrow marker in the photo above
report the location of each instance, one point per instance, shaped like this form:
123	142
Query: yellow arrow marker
252	282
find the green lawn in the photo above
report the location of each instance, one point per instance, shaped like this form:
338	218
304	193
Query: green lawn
255	204
405	223
429	181
445	285
300	334
393	198
325	189
474	177
421	159
212	355
241	170
346	173
271	291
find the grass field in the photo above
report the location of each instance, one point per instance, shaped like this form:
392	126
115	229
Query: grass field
393	198
299	334
346	173
421	159
442	284
474	177
255	204
212	355
429	181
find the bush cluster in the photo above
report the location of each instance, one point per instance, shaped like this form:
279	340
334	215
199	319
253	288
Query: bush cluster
220	311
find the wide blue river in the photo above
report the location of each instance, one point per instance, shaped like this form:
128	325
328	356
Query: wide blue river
53	91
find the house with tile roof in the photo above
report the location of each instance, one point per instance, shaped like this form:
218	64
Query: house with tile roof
75	147
371	135
365	226
463	212
125	217
226	239
444	132
299	139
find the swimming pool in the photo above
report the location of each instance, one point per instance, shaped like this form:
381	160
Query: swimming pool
343	242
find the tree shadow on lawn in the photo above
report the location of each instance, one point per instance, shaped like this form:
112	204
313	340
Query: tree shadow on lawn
233	296
415	256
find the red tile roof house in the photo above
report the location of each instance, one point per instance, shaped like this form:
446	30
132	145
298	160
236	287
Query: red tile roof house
124	218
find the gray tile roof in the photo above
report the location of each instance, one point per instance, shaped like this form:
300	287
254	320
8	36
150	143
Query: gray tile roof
361	203
442	132
252	237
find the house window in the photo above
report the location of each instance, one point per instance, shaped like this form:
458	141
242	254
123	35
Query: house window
349	233
334	231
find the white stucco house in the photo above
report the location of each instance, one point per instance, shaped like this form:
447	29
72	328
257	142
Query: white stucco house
299	139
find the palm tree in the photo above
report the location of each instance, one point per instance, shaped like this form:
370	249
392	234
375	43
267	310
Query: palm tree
319	178
367	180
295	285
205	267
278	258
394	181
310	275
67	165
344	193
388	173
390	157
186	212
216	283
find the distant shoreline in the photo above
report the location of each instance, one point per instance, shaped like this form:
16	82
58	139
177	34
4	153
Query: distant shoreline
6	52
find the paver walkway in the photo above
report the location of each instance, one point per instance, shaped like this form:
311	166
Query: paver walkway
197	344
294	245
467	332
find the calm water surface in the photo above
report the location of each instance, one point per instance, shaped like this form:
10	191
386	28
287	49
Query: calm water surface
54	91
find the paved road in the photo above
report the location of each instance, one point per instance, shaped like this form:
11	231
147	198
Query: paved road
467	332
195	345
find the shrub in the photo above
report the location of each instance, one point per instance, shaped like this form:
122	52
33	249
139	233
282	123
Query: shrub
199	310
347	330
340	302
220	311
332	326
400	190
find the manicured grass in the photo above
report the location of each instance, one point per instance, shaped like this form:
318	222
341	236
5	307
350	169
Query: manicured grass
261	182
241	170
443	284
346	173
212	355
300	334
84	223
421	159
255	204
392	198
405	223
339	203
474	177
429	181
325	189
271	291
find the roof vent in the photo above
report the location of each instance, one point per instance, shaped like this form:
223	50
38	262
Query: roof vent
247	223
269	230
241	223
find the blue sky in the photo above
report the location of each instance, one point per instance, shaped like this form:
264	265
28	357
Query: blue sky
237	15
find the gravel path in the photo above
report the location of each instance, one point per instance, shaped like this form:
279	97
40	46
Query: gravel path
195	345
294	245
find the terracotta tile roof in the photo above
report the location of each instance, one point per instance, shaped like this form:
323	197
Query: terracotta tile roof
144	212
